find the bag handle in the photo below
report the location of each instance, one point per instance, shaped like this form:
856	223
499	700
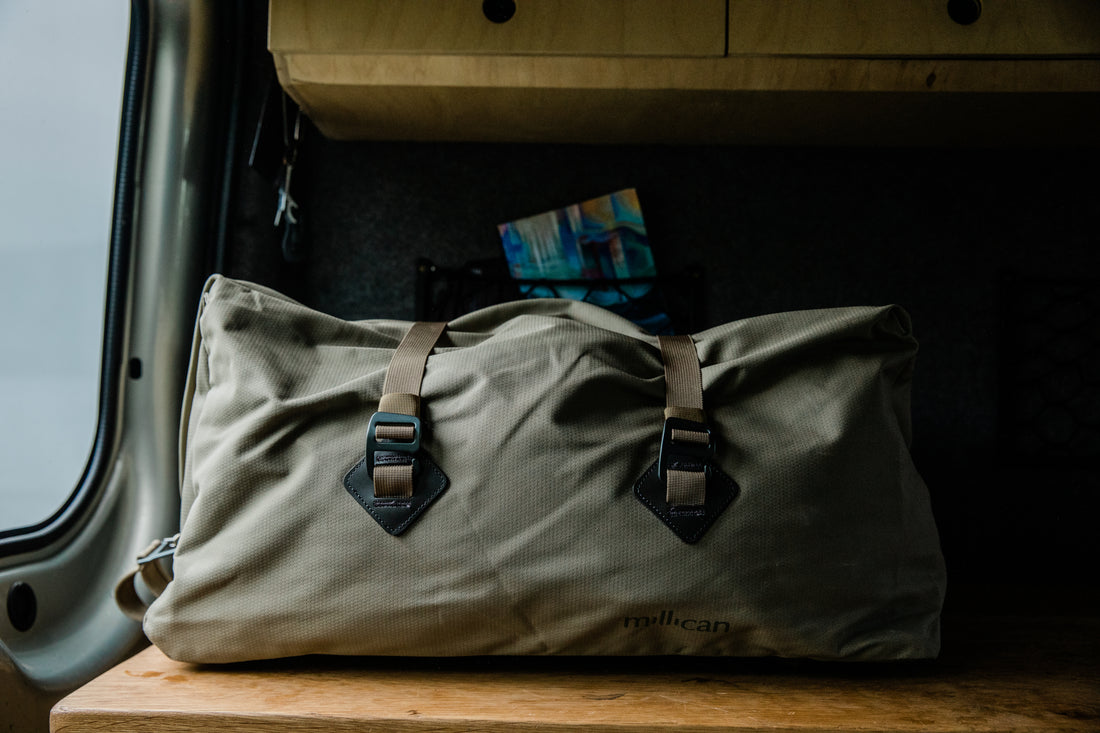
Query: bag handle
685	488
154	567
401	390
686	441
393	436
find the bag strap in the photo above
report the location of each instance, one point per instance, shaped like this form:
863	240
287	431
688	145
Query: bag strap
393	436
686	441
154	567
401	390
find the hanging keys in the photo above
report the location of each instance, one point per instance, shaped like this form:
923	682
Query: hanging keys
286	206
274	155
287	212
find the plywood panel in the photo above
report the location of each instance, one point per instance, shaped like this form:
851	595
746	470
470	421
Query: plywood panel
814	71
1022	675
736	117
746	100
912	28
757	73
563	27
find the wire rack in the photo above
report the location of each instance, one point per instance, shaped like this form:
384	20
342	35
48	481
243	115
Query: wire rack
444	293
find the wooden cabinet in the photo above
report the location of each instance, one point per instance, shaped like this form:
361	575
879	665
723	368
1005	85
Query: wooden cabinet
742	71
914	28
557	27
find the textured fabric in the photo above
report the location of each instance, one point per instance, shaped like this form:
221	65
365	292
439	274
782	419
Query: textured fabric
539	546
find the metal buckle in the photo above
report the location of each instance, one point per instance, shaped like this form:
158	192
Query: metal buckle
166	548
683	455
392	452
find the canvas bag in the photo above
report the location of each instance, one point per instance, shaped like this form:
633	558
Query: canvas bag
546	419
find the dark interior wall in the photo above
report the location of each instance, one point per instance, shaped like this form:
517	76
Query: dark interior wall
993	252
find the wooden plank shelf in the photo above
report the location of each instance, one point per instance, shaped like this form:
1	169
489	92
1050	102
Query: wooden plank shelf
832	72
995	674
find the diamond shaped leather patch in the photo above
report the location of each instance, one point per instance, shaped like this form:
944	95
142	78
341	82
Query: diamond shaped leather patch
689	523
397	514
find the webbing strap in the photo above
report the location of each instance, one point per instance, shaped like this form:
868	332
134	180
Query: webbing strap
393	481
406	369
684	400
401	396
683	379
155	570
402	433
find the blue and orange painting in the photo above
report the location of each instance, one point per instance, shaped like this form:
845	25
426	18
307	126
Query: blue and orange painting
584	252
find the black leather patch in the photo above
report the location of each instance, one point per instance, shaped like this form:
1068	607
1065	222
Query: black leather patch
395	515
689	523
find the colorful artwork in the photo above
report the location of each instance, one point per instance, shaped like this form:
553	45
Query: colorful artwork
597	251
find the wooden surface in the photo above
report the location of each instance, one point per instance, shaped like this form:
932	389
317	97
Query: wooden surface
751	73
912	28
562	27
649	71
742	100
1002	674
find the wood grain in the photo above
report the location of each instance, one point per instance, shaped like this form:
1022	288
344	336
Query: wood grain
995	675
750	73
562	27
743	100
899	28
804	72
744	118
738	100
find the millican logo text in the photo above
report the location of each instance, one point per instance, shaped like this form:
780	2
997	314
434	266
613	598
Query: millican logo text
670	618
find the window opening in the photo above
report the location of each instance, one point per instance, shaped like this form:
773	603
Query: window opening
59	125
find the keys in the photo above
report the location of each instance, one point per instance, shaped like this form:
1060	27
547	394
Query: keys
287	206
274	154
287	213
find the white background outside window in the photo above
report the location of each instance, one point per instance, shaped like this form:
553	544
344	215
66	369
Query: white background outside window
60	98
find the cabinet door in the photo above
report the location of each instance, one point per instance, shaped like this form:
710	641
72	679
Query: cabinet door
558	27
901	28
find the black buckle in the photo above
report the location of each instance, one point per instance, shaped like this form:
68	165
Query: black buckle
386	452
684	455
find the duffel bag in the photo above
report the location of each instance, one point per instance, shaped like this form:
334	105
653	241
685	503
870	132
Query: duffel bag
544	477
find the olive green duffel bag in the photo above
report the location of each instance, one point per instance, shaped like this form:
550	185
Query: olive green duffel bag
543	477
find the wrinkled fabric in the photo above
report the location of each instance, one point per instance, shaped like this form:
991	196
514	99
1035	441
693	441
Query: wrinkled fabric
543	414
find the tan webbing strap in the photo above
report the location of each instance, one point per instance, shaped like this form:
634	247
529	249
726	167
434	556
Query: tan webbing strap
685	488
406	369
402	433
393	482
684	400
401	395
402	404
689	436
683	379
155	573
